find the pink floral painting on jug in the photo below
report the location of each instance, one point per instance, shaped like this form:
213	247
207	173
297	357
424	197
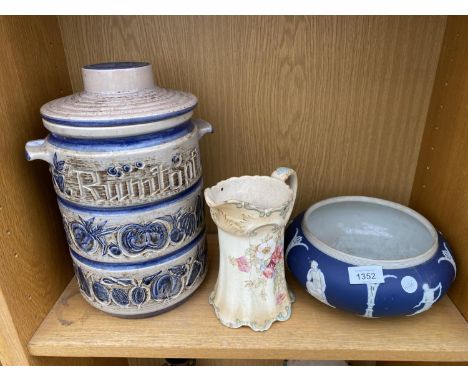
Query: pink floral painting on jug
264	263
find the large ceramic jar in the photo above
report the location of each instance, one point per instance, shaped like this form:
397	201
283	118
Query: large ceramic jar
125	165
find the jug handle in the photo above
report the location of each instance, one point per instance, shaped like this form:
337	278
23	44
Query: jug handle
288	176
202	127
38	149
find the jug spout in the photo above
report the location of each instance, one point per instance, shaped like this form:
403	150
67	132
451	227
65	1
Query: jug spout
38	149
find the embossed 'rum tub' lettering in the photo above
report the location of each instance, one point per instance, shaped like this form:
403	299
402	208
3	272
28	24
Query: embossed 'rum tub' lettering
121	182
126	167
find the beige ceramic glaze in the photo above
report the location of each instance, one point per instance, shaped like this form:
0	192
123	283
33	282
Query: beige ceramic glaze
251	213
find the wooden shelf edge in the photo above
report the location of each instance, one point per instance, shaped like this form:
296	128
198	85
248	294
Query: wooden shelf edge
271	354
315	332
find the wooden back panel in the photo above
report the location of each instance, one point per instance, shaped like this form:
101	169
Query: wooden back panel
441	184
35	265
34	261
343	100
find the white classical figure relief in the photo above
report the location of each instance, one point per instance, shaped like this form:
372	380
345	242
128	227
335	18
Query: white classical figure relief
371	293
316	284
296	241
429	298
447	256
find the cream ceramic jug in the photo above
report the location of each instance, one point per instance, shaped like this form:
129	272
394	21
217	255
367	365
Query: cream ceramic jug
251	213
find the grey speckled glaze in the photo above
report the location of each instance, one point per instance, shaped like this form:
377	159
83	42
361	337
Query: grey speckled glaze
128	177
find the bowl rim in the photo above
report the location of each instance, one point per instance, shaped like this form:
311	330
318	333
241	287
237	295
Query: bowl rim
360	261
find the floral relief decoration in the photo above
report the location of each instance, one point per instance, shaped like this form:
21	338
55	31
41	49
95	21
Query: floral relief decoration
135	239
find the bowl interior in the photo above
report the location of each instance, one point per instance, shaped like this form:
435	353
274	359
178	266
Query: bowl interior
374	229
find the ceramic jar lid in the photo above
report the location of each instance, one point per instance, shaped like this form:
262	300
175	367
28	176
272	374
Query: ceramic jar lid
119	99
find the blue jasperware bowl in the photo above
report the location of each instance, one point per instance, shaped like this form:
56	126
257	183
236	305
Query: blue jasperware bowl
327	242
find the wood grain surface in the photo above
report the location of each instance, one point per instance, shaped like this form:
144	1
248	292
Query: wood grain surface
11	349
441	183
314	332
34	264
343	100
34	260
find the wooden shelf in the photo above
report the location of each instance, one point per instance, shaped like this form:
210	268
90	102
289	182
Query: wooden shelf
75	329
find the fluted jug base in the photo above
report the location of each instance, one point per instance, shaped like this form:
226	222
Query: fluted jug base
258	326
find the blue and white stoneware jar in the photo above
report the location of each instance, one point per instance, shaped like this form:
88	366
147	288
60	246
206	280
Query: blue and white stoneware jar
125	164
369	256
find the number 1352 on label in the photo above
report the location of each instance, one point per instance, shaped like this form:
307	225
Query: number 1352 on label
366	275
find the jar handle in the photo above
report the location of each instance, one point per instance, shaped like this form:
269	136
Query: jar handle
203	127
288	176
38	149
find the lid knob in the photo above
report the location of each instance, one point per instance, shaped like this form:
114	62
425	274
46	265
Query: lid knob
112	77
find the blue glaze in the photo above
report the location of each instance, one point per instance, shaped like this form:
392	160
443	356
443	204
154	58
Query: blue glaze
99	239
101	211
139	295
116	65
160	286
82	282
142	264
100	292
166	286
118	122
196	271
137	238
390	298
115	250
120	296
84	235
58	174
122	143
